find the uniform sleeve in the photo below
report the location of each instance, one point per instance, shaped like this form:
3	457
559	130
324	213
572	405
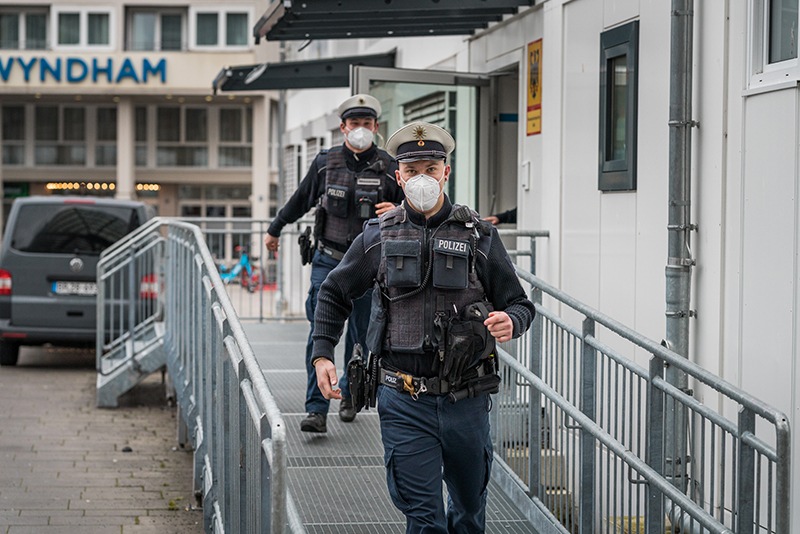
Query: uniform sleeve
509	216
303	199
353	277
502	286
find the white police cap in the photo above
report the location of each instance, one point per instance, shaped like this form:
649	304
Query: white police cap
361	105
419	141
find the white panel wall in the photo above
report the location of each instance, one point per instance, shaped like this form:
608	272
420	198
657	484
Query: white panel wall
582	201
768	265
768	318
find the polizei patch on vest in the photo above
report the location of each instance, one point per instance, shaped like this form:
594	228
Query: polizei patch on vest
337	192
451	246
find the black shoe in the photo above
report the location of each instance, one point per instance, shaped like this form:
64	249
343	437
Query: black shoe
346	411
314	422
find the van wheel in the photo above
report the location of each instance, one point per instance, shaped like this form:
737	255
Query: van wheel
9	353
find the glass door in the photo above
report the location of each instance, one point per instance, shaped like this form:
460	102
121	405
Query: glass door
458	102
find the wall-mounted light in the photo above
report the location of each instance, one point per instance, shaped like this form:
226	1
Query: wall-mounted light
148	187
77	186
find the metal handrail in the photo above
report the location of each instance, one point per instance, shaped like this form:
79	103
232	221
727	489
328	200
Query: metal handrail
587	424
226	408
761	408
606	405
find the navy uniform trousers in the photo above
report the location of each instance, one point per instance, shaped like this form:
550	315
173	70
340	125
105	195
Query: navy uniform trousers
430	440
357	325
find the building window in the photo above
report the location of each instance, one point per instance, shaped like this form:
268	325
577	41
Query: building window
236	29
235	137
23	29
220	28
13	135
182	137
782	30
60	135
158	30
82	27
772	42
618	107
106	147
140	135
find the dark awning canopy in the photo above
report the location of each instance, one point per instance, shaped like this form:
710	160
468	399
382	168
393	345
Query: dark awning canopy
287	20
315	73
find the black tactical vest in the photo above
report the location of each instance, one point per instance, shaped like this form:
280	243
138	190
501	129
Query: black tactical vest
425	272
349	198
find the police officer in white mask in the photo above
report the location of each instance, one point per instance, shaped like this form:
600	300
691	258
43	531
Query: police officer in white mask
347	184
446	290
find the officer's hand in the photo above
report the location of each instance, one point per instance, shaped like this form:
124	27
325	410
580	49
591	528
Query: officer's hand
492	219
271	242
326	378
500	326
383	207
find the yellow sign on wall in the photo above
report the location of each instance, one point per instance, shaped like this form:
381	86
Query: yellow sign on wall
534	115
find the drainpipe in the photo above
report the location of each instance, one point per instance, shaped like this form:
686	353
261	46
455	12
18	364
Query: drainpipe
679	259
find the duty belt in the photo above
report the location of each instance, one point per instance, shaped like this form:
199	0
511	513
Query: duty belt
332	252
420	385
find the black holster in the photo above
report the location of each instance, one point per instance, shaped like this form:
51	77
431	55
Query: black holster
306	246
363	380
477	386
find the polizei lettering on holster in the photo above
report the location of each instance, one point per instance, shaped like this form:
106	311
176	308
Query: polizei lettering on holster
349	198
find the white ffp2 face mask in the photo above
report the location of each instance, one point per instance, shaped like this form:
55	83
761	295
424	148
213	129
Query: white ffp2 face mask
423	191
361	138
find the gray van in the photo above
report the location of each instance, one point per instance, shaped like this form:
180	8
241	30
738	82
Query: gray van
48	268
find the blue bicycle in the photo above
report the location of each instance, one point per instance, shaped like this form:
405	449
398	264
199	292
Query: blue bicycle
243	271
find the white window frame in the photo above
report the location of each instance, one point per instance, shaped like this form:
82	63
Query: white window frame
221	13
83	13
23	16
158	11
765	76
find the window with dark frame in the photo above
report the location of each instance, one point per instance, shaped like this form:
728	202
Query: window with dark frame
619	51
782	30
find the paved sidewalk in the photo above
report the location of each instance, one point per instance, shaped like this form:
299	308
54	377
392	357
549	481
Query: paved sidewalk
69	467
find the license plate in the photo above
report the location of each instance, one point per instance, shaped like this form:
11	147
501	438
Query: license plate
75	288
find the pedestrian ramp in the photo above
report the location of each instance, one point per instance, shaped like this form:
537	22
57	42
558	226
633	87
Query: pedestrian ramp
337	480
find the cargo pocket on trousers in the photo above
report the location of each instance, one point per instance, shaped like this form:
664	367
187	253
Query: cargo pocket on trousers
391	482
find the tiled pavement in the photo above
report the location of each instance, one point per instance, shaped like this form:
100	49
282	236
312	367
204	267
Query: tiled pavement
69	467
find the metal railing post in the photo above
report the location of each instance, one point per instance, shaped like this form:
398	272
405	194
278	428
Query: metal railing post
535	402
244	460
266	473
654	520
783	483
745	481
588	453
533	255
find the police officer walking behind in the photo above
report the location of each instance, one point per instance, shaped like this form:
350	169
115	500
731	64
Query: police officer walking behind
446	291
349	184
